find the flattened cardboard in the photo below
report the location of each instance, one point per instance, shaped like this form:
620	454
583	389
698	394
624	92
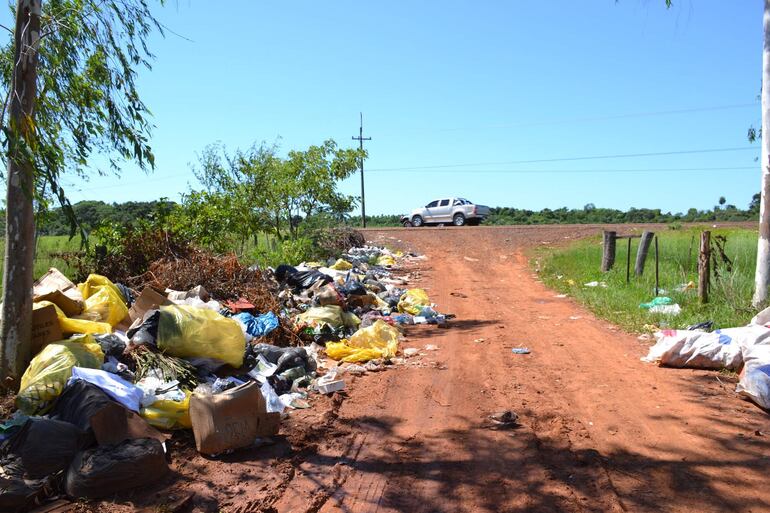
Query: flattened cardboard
53	286
45	328
149	299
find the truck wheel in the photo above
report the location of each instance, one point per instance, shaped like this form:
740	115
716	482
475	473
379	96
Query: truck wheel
417	221
458	220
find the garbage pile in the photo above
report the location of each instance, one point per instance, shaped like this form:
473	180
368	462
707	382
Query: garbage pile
742	349
115	369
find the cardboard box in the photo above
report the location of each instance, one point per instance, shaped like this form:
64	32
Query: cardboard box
232	419
45	328
149	299
53	286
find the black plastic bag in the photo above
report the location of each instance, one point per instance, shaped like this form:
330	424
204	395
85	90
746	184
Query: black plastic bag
106	470
46	446
300	280
111	344
147	332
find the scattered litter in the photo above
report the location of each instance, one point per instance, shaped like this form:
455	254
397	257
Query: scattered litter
505	418
575	317
431	347
561	296
469	259
411	351
479	340
520	350
674	309
596	284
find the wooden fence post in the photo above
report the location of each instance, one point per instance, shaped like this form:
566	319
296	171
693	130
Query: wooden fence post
704	266
628	261
608	255
641	253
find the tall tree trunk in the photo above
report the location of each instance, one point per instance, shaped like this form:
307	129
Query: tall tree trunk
16	313
762	276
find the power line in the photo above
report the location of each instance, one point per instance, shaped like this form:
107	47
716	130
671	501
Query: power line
609	117
581	171
568	159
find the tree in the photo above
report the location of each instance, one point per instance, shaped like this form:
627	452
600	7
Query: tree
70	92
267	192
722	201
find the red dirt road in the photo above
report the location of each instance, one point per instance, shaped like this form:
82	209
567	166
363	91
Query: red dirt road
599	430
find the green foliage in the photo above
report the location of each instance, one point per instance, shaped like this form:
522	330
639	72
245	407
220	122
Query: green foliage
89	54
568	269
263	191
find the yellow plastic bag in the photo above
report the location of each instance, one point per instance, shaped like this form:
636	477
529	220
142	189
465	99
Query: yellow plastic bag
380	340
103	301
413	301
341	265
168	414
71	326
49	371
189	332
329	315
386	260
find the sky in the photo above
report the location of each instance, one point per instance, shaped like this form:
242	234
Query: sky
502	102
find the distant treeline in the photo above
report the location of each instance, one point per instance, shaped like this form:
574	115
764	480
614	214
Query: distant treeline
590	214
92	213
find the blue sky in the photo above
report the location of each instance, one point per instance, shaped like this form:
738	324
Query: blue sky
476	86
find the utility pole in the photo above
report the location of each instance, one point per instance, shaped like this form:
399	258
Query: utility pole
361	140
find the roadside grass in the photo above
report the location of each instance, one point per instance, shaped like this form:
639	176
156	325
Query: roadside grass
568	269
48	245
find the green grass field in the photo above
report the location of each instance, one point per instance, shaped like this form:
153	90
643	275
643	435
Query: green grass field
569	269
46	246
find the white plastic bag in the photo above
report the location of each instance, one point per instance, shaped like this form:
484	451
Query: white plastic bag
698	349
755	377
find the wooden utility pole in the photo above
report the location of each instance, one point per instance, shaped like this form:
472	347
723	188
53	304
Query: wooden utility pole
16	313
361	140
641	253
704	266
762	274
608	254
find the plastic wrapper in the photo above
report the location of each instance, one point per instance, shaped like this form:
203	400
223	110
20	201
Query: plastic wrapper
341	265
189	332
329	315
104	302
413	301
49	371
386	260
168	414
380	340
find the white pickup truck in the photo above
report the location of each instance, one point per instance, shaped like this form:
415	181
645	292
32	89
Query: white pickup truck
457	211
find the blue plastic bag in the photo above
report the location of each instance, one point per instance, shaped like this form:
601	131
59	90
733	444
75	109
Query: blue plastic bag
258	326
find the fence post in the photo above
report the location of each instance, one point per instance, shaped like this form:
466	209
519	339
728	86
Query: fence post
641	253
704	266
608	255
628	261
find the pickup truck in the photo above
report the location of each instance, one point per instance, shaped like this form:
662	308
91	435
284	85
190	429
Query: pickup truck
457	211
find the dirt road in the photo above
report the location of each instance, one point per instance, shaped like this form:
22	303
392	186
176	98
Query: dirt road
599	430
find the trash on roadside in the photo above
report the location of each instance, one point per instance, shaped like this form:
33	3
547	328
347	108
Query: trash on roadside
684	287
379	340
520	350
595	284
674	309
413	301
105	470
186	331
698	349
703	326
658	301
232	419
49	370
330	383
258	326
